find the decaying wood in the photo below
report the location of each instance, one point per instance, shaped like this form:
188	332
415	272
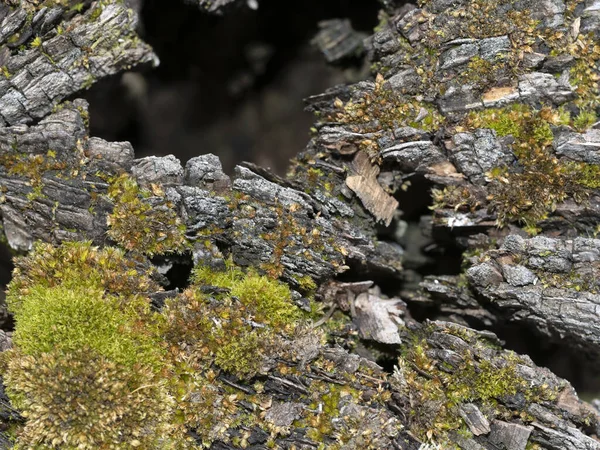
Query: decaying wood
450	383
72	52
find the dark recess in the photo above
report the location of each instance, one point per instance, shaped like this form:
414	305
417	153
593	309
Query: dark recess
229	85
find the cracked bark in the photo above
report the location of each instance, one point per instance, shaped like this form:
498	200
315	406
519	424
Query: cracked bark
321	221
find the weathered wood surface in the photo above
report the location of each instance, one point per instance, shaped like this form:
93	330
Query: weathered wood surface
495	176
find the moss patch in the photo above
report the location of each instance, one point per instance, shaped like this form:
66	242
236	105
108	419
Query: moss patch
235	326
136	224
437	390
69	318
530	192
88	369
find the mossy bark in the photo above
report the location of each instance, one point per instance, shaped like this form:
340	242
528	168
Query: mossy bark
473	98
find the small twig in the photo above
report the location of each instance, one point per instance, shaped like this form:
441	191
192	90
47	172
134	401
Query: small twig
421	372
144	387
326	317
324	378
237	386
8	406
367	377
289	383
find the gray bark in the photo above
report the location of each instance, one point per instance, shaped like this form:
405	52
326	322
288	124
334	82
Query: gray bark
322	220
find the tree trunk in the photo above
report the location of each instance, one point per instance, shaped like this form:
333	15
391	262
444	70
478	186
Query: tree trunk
483	111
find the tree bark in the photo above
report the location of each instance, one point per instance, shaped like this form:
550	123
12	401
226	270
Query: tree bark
439	115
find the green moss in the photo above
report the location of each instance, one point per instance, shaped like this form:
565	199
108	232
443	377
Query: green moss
517	120
77	7
269	299
88	369
484	383
437	392
530	193
384	20
305	283
314	175
458	198
69	318
572	280
236	327
137	225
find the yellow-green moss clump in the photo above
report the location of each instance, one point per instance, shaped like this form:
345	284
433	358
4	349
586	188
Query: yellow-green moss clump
75	262
237	325
529	193
227	321
136	224
88	370
583	74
